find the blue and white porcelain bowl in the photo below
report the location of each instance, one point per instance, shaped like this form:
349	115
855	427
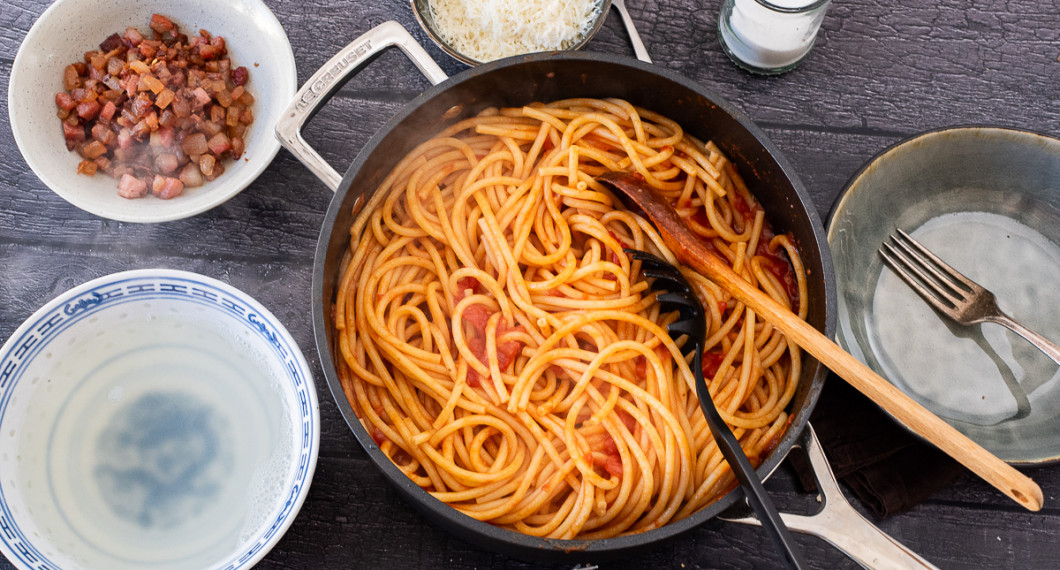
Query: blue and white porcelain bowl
152	418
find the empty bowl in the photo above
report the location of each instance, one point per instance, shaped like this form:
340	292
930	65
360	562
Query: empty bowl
69	28
152	418
987	201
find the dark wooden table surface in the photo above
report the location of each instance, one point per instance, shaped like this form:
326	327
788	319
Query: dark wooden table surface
881	71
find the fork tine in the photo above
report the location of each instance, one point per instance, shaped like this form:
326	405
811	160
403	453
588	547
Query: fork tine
910	271
911	244
929	272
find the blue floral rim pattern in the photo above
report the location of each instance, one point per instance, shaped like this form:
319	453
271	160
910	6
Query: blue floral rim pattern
83	301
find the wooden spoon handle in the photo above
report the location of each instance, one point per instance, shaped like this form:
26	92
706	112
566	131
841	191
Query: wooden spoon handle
691	251
903	408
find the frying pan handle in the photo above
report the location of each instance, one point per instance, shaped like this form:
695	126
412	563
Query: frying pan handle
634	37
839	524
327	80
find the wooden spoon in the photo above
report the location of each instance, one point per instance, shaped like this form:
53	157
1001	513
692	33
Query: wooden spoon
691	251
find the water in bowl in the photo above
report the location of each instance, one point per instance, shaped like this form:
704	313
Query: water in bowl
986	375
154	442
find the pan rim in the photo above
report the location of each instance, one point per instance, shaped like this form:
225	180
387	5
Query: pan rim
483	533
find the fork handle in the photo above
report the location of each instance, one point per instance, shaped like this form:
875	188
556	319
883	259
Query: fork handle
1051	349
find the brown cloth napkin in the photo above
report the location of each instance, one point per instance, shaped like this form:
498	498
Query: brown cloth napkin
890	469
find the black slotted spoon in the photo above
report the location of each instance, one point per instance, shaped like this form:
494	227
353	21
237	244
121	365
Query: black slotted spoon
680	296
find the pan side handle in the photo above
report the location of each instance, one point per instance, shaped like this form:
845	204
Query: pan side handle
327	80
838	523
634	37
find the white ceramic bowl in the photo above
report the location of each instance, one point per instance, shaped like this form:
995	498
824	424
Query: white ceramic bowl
152	418
69	28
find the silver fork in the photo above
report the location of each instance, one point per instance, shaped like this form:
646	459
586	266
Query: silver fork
950	292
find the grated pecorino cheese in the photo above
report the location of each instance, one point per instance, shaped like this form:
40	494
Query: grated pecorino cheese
485	30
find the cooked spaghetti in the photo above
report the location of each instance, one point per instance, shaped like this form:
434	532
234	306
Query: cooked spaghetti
508	356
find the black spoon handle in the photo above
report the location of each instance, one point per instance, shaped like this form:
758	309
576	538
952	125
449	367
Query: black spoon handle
745	473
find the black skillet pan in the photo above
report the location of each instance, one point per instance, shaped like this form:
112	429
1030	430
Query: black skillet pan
513	82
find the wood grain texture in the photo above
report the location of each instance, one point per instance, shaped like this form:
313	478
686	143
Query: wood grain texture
880	72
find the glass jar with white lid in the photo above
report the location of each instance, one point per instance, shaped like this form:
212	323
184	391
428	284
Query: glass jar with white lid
769	36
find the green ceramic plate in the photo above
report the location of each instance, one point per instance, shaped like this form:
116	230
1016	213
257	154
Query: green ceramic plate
987	201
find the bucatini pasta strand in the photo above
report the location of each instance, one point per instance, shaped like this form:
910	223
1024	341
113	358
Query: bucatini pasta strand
506	354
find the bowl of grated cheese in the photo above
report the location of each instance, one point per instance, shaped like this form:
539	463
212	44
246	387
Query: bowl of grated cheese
479	31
